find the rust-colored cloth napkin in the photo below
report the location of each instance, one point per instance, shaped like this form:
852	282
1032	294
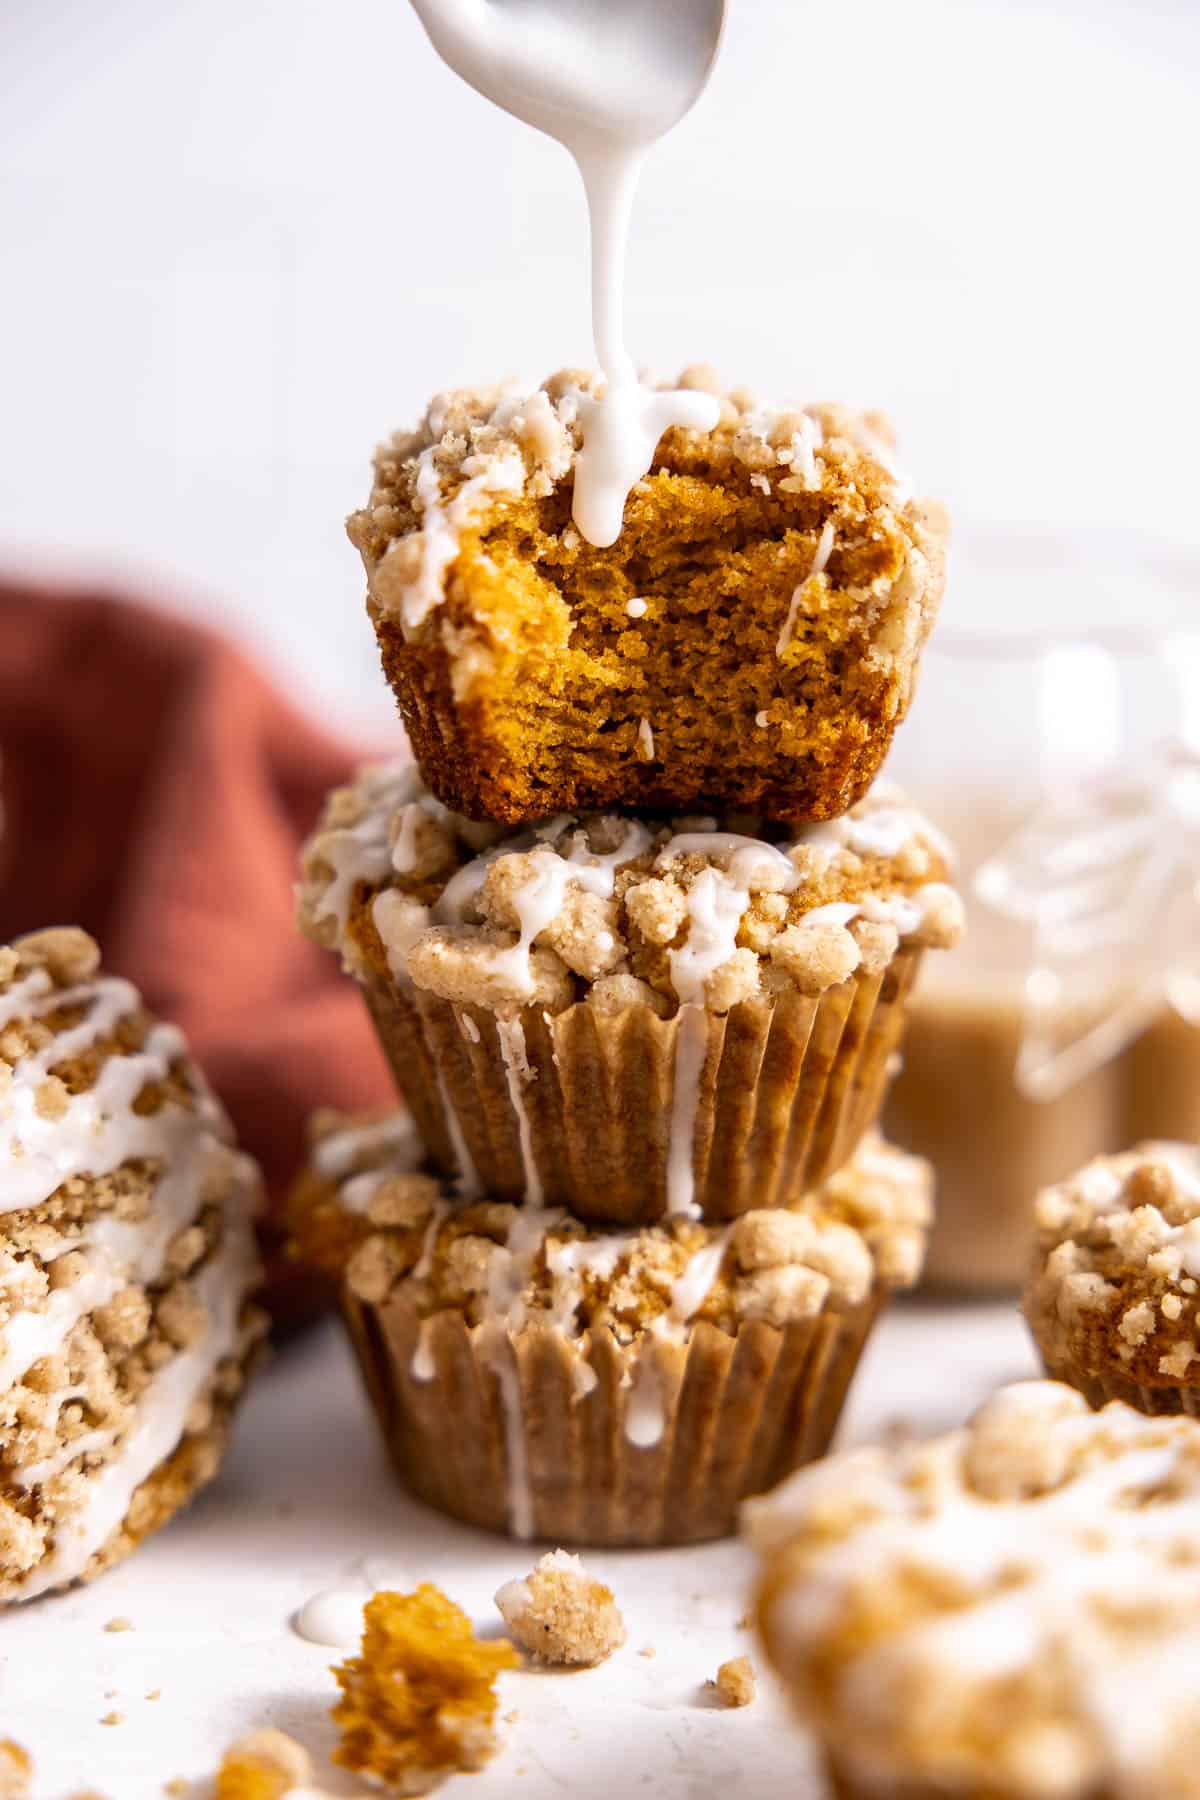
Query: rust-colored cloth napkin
156	789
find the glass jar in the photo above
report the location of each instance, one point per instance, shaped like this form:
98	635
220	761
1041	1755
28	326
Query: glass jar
1058	709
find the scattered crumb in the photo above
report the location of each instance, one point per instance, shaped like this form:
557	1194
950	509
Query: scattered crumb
648	1651
16	1770
110	1693
120	1624
154	1694
176	1788
745	1622
511	1716
736	1682
265	1765
559	1615
419	1700
113	1718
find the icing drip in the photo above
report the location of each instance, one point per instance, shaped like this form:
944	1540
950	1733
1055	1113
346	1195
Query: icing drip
333	1618
468	1175
691	1051
645	1410
221	1288
423	1367
520	1490
820	559
511	1035
442	523
645	1416
362	851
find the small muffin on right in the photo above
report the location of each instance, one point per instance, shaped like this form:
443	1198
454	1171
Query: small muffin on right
1114	1299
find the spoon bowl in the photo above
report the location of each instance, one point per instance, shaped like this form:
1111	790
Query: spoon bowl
618	70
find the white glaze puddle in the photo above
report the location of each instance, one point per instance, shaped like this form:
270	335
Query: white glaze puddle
334	1617
605	80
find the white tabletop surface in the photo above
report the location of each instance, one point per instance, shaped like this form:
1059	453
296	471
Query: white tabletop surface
306	1496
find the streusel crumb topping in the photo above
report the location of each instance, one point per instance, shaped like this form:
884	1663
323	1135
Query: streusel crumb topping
1118	1265
560	1616
1010	1609
617	910
390	1223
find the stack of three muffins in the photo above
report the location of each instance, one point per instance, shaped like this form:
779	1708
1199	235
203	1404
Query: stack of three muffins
618	1271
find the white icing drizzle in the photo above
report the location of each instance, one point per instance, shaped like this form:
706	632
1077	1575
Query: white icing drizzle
468	1175
423	1367
98	1129
636	608
333	1618
645	1416
424	1262
362	851
118	1253
511	1036
645	738
220	1287
443	522
336	1154
645	1410
520	1488
606	83
820	559
1049	1573
691	1050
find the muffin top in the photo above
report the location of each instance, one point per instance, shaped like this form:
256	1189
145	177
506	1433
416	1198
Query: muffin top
1011	1609
366	1208
90	1084
618	910
496	457
1118	1266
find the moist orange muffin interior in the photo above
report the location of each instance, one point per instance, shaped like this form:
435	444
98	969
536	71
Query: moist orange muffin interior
419	1700
755	676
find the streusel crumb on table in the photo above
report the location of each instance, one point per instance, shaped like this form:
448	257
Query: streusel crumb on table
559	1615
750	640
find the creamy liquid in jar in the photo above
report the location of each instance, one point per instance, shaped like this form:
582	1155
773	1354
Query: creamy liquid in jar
606	79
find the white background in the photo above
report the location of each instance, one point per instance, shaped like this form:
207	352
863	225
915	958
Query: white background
242	238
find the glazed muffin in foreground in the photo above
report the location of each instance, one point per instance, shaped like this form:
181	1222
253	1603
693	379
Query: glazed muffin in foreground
631	1017
127	1257
1113	1299
607	1387
1010	1612
751	640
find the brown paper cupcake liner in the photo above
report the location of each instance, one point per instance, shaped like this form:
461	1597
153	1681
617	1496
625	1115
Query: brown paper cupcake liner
594	1110
1098	1389
591	1442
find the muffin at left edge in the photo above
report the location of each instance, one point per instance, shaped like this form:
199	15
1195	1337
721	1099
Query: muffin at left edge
127	1265
608	1387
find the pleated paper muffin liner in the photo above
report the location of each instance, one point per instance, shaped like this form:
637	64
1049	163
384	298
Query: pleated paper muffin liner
1098	1388
587	1441
598	1111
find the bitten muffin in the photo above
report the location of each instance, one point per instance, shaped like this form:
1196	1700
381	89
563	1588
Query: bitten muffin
1009	1612
751	640
1113	1299
126	1259
631	1017
620	1387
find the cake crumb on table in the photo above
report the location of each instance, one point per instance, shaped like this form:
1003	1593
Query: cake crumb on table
16	1770
119	1624
559	1615
113	1718
419	1700
264	1765
648	1651
736	1682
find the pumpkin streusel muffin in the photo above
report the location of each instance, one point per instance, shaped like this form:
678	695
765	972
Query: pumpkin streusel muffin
607	1387
1010	1612
751	640
126	1260
1114	1299
631	1017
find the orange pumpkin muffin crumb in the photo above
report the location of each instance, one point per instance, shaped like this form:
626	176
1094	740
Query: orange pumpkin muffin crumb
419	1700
